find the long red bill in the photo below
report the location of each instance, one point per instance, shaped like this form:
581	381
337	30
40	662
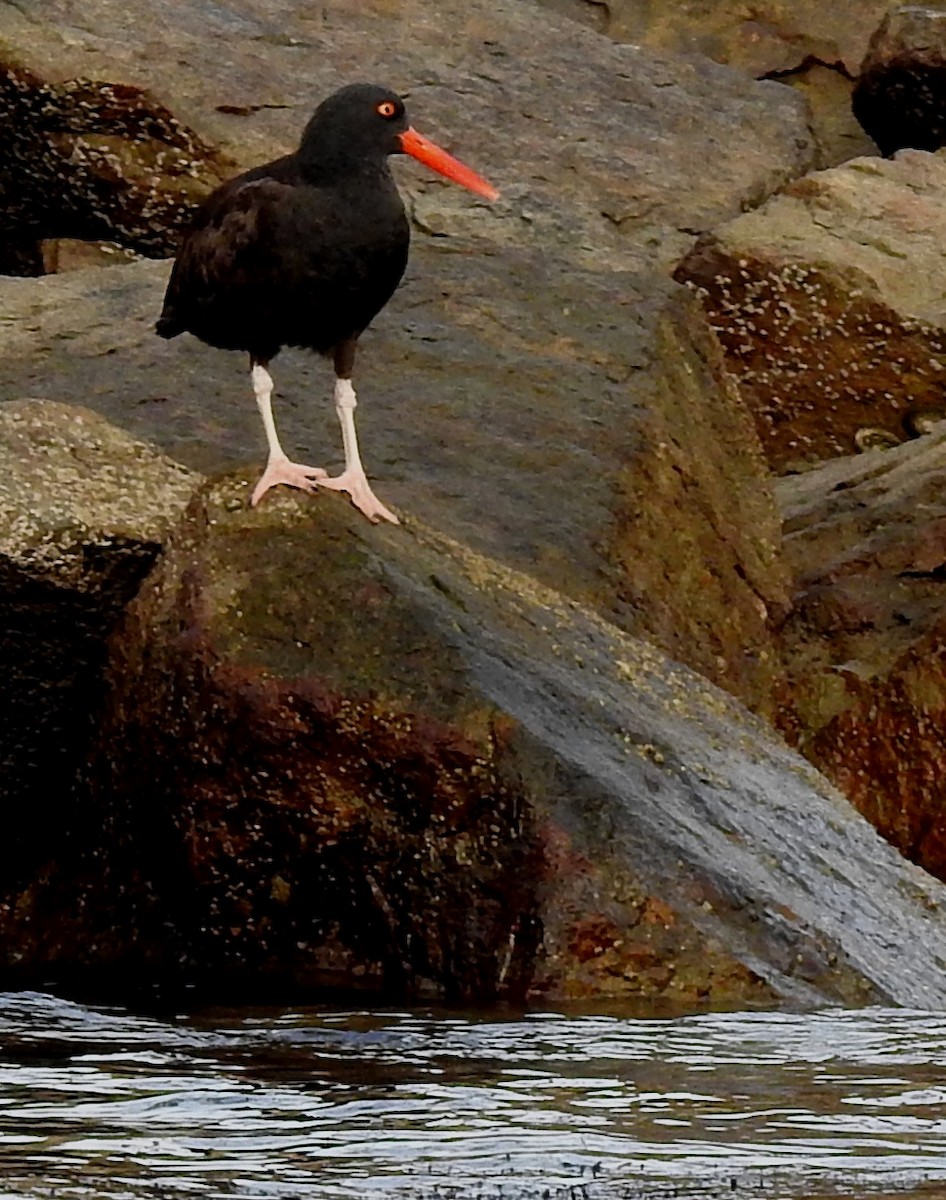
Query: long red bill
430	154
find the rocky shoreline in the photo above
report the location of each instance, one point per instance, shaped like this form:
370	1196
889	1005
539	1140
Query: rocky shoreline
536	744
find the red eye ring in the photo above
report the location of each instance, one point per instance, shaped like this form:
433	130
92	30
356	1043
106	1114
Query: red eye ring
387	108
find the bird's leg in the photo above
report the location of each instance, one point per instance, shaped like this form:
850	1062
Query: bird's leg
278	467
353	479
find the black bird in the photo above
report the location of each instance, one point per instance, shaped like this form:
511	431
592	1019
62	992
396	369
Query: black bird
306	251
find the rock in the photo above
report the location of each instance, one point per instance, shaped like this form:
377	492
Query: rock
342	757
898	97
813	47
83	513
535	383
828	303
866	538
551	417
604	151
85	160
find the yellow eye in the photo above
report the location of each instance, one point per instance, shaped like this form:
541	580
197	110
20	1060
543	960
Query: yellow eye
387	108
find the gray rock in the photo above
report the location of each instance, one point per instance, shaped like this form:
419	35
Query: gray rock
605	152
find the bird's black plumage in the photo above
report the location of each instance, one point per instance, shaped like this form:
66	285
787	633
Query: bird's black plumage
303	251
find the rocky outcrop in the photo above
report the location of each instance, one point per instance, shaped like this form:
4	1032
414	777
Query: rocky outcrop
535	427
828	303
83	511
339	756
898	98
440	761
866	538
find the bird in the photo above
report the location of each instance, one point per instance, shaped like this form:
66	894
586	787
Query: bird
305	251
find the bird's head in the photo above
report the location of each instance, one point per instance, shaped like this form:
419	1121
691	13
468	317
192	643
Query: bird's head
366	122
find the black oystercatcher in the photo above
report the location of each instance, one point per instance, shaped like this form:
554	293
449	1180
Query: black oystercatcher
306	251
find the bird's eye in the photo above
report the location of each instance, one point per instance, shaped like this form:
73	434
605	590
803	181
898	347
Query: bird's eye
387	108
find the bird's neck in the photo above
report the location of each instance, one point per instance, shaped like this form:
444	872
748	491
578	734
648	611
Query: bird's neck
342	170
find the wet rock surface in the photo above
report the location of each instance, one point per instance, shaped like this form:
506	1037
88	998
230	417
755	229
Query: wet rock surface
83	512
340	755
828	303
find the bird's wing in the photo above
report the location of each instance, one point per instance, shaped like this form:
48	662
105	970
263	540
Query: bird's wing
233	235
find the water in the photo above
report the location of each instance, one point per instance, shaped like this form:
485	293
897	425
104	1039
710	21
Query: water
387	1105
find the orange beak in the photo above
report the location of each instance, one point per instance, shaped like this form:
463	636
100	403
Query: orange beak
427	152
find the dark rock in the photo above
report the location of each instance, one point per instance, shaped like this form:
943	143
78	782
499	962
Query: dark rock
93	161
900	96
336	756
83	511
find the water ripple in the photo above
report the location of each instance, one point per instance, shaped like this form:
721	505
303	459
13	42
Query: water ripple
343	1105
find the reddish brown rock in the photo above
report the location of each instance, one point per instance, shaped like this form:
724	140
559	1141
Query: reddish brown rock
828	304
864	644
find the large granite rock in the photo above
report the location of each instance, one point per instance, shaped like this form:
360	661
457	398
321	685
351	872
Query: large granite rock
349	757
828	303
83	513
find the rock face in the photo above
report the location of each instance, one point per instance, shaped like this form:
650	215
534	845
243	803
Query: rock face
83	509
813	47
346	756
438	761
537	429
535	381
865	642
828	321
898	98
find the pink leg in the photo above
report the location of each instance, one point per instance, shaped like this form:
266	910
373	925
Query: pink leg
279	469
353	479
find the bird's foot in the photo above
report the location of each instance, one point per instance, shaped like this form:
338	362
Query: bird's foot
281	470
357	486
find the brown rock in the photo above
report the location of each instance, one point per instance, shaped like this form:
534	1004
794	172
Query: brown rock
867	540
338	756
84	160
828	303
